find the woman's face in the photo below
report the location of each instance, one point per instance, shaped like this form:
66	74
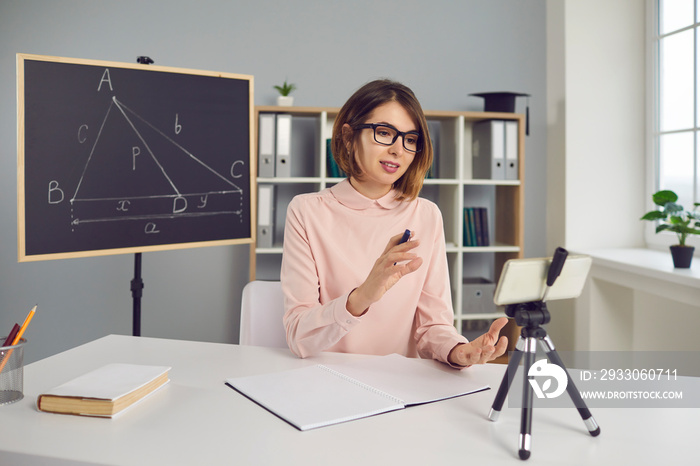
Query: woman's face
382	165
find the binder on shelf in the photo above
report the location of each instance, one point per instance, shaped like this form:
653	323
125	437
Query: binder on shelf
488	150
266	145
511	150
266	215
284	145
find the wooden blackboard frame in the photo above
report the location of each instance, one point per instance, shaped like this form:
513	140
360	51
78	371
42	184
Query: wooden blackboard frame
47	133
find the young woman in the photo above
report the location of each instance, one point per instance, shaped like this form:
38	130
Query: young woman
349	285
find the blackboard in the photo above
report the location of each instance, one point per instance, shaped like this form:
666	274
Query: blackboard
122	158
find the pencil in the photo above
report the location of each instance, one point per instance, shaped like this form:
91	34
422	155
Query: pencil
24	325
11	337
18	337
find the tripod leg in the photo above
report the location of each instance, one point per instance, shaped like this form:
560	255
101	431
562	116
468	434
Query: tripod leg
507	380
526	414
586	415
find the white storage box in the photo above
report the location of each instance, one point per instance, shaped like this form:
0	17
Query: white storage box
477	295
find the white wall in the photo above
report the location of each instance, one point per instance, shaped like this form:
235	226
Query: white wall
443	49
596	72
605	126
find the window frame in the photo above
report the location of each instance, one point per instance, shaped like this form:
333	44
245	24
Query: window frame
651	238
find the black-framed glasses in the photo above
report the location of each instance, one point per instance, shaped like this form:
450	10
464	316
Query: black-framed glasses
386	135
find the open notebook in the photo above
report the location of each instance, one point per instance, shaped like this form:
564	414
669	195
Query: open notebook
322	395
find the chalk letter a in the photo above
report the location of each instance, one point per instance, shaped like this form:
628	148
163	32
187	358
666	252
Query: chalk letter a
105	78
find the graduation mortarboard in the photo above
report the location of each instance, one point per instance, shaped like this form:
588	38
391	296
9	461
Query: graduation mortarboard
504	102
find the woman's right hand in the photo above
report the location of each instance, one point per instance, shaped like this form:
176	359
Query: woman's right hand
395	262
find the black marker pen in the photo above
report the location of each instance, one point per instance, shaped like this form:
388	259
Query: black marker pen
404	238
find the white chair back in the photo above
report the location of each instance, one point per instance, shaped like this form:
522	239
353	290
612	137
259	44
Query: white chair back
262	309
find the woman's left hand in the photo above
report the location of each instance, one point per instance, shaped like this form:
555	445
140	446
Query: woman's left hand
385	273
482	349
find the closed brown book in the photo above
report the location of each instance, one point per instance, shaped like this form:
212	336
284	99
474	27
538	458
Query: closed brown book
104	392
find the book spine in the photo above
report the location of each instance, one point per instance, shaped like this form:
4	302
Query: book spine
485	227
477	227
332	169
466	240
472	228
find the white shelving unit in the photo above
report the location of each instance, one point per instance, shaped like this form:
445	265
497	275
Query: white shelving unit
452	188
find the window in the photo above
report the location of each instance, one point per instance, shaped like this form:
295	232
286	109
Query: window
676	132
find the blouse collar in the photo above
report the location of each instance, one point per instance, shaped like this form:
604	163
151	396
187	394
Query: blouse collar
347	195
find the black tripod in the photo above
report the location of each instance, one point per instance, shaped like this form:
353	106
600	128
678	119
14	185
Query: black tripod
531	316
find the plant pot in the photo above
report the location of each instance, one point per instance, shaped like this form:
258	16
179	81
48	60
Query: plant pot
682	256
285	100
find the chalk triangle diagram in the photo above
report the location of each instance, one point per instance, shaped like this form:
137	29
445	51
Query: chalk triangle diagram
135	171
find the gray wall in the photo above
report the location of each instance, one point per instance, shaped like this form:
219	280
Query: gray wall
442	49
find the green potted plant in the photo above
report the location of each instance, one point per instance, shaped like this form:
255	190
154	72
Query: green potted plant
672	217
284	99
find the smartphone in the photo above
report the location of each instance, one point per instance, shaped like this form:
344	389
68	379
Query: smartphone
524	280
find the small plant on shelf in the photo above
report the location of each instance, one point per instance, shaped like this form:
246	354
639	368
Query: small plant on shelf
674	218
285	99
286	88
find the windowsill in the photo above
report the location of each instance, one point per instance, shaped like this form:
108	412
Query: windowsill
635	300
649	262
647	270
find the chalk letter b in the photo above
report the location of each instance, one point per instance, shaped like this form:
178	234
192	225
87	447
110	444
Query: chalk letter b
55	193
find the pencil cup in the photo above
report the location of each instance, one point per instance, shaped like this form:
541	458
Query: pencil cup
12	373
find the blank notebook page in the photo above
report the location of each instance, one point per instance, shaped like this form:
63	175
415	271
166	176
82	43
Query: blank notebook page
413	381
314	396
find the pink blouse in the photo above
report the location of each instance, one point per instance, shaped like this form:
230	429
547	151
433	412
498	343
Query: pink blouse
331	240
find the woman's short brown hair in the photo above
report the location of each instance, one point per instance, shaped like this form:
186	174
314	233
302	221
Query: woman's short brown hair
357	109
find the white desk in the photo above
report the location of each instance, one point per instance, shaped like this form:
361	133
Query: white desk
637	301
198	420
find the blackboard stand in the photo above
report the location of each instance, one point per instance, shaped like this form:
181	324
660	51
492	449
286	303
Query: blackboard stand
136	293
137	282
